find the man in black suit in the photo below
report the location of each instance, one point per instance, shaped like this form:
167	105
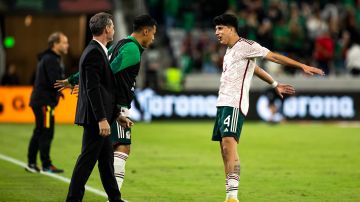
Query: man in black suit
95	111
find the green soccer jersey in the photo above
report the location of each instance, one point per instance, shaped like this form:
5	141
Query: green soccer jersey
125	59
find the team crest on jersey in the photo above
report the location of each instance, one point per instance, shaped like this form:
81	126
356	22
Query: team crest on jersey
128	135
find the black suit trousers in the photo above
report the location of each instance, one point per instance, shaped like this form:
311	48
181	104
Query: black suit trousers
94	148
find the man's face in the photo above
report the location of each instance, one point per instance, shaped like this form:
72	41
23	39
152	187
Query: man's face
110	31
149	36
62	46
223	33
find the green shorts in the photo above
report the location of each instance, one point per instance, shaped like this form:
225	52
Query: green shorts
120	135
228	123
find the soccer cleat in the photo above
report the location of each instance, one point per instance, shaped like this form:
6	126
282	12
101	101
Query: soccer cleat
231	200
32	168
52	169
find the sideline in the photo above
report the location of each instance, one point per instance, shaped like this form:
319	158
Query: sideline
58	177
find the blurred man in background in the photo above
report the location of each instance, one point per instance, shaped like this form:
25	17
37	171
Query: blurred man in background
10	78
44	99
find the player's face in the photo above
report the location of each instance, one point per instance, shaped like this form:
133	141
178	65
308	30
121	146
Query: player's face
223	33
149	34
63	45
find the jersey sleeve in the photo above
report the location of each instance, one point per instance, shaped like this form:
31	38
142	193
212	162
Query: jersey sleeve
74	79
255	50
128	56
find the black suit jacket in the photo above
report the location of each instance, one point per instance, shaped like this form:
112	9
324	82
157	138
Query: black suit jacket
96	87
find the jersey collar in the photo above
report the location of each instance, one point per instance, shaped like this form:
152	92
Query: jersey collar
136	42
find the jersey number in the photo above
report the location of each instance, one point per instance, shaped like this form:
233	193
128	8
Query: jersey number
227	121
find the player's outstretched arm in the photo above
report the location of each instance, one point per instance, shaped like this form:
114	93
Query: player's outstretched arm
281	59
63	84
279	88
263	75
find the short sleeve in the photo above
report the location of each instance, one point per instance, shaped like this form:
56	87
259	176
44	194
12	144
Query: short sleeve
255	50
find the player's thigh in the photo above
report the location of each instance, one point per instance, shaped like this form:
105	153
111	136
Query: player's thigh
231	122
216	135
120	135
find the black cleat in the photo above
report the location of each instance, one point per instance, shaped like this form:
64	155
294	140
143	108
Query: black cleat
52	169
32	168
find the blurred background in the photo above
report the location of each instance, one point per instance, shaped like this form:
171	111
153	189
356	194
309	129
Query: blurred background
180	73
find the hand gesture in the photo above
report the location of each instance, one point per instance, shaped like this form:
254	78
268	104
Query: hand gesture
62	84
75	90
282	89
312	70
104	128
124	121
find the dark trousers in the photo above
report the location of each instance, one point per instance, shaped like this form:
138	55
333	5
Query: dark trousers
94	148
42	135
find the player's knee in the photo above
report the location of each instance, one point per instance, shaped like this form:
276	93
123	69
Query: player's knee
228	145
123	148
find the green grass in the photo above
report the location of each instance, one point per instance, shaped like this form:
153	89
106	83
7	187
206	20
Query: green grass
176	161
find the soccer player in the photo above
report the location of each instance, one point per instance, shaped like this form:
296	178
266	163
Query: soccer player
233	100
125	64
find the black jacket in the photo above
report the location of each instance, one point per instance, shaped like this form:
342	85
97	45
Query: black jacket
49	69
96	87
126	78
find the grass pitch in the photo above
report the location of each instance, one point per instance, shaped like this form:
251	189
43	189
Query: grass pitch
176	161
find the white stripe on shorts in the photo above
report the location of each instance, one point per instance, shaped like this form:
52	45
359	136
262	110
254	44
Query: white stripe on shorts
235	120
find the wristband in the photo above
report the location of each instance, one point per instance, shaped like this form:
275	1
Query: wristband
274	84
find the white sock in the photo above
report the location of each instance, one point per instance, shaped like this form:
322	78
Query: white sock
119	167
226	188
232	185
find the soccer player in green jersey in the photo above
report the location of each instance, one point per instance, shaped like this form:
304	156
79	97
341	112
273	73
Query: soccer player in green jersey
125	58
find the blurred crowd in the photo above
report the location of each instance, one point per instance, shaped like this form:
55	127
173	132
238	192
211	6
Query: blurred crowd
321	33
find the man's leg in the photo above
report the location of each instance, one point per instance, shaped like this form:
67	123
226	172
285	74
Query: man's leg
46	137
232	166
92	144
121	154
34	141
106	169
121	139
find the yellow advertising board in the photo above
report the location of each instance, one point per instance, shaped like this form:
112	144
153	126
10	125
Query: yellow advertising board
14	106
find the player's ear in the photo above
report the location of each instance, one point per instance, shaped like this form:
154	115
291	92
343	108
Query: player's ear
145	31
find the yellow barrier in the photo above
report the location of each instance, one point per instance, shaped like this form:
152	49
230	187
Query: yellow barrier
14	106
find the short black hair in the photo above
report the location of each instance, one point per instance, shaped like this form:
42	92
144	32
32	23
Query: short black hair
143	21
227	20
98	23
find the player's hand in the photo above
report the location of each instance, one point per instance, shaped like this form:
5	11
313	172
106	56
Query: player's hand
75	90
124	121
282	89
104	128
62	84
312	70
62	95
